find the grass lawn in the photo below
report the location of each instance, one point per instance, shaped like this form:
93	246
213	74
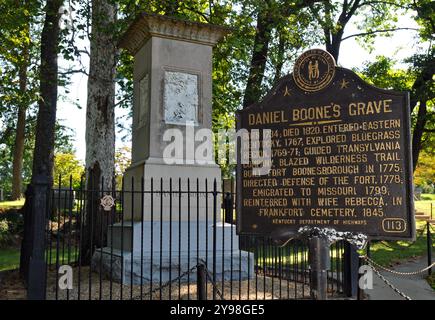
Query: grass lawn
428	196
9	258
426	206
390	252
5	205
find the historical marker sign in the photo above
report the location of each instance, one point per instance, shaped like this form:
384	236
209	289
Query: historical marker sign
340	152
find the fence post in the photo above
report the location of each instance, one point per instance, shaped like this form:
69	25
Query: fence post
228	207
214	236
36	276
368	251
429	247
201	281
26	243
318	256
350	276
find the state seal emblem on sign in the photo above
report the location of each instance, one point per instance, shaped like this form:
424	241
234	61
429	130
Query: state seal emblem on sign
314	70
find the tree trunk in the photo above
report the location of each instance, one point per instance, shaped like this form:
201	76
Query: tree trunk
259	58
100	124
280	59
46	121
334	47
265	25
17	165
334	36
418	133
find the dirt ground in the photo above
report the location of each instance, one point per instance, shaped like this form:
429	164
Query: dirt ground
260	288
11	286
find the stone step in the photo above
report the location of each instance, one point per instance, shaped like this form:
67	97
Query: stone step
419	213
432	221
422	218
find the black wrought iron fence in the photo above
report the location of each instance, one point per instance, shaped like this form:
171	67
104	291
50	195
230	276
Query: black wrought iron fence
146	240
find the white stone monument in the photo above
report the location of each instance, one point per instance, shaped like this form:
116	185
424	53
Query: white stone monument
172	90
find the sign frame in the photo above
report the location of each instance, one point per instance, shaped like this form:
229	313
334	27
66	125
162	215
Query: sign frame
407	167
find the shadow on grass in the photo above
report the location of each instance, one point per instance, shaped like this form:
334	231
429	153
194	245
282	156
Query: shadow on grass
393	252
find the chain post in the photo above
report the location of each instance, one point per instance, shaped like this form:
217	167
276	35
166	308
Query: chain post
201	282
359	294
319	263
351	260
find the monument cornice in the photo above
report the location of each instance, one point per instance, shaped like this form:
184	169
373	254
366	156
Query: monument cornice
151	25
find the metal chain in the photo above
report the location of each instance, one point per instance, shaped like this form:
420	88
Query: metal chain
373	263
219	293
210	277
167	283
388	282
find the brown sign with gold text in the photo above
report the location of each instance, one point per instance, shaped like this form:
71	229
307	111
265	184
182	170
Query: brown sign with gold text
340	156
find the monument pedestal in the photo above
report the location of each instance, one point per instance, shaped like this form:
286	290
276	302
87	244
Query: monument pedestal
171	192
168	216
161	251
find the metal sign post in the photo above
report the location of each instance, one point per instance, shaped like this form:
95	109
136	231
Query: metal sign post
318	258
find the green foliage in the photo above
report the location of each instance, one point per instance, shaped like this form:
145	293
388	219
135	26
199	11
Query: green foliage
19	85
67	169
329	20
63	144
294	26
424	175
122	162
382	74
425	17
4	232
11	227
6	157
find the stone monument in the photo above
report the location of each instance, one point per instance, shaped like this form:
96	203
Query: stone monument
172	91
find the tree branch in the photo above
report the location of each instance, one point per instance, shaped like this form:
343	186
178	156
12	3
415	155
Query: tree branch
117	104
376	31
73	71
391	3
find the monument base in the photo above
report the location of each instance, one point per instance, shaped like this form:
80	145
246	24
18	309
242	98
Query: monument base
168	190
132	254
